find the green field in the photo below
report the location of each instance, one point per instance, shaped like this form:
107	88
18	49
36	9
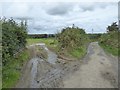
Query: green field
50	42
47	41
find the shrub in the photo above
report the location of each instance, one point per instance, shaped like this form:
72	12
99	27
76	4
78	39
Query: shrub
71	37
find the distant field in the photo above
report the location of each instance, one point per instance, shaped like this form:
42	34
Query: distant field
50	42
47	41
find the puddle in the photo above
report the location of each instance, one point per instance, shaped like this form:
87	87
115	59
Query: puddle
52	57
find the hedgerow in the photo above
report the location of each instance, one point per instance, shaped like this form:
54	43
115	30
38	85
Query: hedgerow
13	38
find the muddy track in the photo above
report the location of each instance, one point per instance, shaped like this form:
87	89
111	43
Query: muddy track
39	73
96	70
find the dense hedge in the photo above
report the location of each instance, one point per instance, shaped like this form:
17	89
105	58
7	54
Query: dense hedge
13	38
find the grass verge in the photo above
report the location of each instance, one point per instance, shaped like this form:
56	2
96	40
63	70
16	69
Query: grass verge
110	49
73	53
12	71
79	52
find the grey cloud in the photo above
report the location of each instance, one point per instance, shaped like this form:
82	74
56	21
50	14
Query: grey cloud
93	6
57	11
52	17
40	27
60	9
23	18
87	8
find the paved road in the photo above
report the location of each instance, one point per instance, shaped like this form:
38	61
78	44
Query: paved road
98	70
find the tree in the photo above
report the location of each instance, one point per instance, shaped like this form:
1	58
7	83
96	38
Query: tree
113	27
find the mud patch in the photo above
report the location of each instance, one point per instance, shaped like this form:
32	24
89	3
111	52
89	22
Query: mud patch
101	53
101	63
110	77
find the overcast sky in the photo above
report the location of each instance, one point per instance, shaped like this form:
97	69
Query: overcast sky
51	17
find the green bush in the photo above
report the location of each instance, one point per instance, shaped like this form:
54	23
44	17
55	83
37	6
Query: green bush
72	37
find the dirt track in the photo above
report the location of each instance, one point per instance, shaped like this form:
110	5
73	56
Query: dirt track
96	70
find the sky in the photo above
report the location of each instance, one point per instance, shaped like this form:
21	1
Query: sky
50	17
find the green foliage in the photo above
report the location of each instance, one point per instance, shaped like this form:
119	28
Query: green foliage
110	49
13	39
13	42
71	37
78	52
113	27
94	37
109	41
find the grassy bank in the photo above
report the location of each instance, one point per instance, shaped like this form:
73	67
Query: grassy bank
80	52
12	71
109	42
111	50
73	53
